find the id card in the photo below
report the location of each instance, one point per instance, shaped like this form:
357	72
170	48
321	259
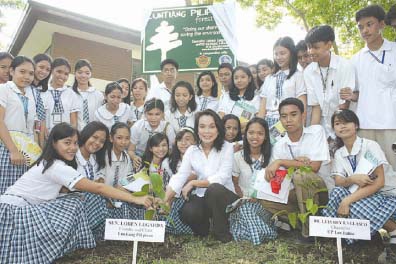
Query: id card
56	118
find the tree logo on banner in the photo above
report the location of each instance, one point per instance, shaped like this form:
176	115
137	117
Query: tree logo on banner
164	40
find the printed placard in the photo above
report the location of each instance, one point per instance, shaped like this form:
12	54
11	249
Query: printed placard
339	227
135	230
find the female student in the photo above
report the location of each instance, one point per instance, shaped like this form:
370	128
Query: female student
36	226
233	132
253	69
143	129
61	102
183	106
212	190
286	82
126	90
265	67
207	91
5	63
251	221
114	110
89	98
139	93
359	168
241	100
17	113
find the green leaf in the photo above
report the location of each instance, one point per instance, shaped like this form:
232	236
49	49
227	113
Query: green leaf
290	171
149	214
292	219
303	217
157	183
165	208
146	188
138	194
314	209
309	203
321	190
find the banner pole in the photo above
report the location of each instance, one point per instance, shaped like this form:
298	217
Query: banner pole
339	249
134	255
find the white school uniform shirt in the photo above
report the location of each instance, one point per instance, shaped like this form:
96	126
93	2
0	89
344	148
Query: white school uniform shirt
95	100
70	105
164	170
14	116
341	74
376	82
244	172
174	119
160	92
312	144
106	117
35	187
137	112
141	132
111	172
292	87
228	106
82	166
215	168
209	102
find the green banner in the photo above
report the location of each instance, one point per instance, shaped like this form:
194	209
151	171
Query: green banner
188	35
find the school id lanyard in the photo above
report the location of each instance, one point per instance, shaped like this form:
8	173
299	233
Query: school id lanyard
25	104
376	58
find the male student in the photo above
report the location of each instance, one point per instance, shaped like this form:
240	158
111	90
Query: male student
302	54
375	67
301	146
326	77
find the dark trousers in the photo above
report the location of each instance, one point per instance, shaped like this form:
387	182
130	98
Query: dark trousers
197	211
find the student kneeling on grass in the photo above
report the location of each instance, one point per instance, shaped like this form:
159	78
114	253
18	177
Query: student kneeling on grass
301	146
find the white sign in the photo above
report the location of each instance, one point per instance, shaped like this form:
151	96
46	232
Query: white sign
135	230
339	227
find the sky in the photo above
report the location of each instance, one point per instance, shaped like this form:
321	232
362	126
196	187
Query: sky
254	43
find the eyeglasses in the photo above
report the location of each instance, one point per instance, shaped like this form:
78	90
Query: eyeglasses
170	70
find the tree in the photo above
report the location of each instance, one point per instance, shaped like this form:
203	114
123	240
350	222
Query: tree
18	4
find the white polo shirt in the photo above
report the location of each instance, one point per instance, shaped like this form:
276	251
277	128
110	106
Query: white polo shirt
95	100
376	83
209	102
110	172
160	92
174	119
341	74
106	117
82	165
241	108
137	112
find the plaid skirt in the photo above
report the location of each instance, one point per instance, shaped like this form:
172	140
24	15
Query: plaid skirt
42	233
176	226
95	210
378	208
9	173
253	223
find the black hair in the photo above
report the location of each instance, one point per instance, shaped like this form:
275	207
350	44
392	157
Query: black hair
113	131
192	104
288	43
43	57
371	11
126	99
233	117
135	81
265	147
266	62
213	78
154	103
153	141
175	155
301	46
219	141
346	116
169	61
18	60
225	65
87	132
249	92
49	154
79	64
390	15
321	33
61	61
292	101
6	55
111	87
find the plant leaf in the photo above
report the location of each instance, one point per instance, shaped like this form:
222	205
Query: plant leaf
138	194
165	208
292	219
157	183
303	217
314	209
309	203
149	214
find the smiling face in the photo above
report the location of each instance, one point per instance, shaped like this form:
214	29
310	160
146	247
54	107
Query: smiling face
23	75
182	97
160	151
304	59
139	91
241	80
344	130
319	51
67	147
186	141
231	130
206	83
282	57
255	135
125	89
370	29
60	75
114	98
264	71
207	130
42	70
95	142
83	75
154	117
5	70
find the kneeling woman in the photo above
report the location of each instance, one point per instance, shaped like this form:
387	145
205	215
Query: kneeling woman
36	227
359	193
213	190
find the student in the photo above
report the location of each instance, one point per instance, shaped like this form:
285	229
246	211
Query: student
17	113
169	70
139	93
39	86
89	98
56	226
114	110
143	129
251	221
224	71
183	106
326	77
233	132
5	63
207	91
391	17
253	70
212	190
286	82
375	66
368	201
302	54
126	90
299	147
265	67
61	102
241	100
